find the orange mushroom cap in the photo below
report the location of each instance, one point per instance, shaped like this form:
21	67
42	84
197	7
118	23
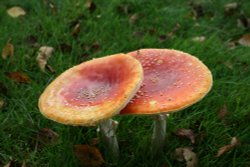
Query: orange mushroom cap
92	91
173	80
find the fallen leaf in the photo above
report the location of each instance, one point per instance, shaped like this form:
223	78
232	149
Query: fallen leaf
243	22
197	10
89	156
90	5
8	50
223	112
3	89
50	68
187	133
232	44
94	141
16	11
138	34
76	30
2	103
176	28
245	40
186	153
47	136
52	8
64	47
151	31
18	77
230	8
162	38
234	142
77	20
32	40
125	8
44	54
199	39
228	64
95	47
133	18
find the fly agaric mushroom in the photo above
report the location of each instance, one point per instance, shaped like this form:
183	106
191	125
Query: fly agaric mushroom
92	92
173	80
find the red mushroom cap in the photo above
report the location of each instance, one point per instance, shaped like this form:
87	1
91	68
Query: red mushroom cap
173	80
92	91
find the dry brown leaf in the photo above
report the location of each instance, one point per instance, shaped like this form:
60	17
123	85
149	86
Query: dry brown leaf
199	39
94	141
245	40
2	103
176	28
52	8
44	54
230	8
187	133
18	77
16	11
50	68
3	89
223	112
90	5
8	50
162	38
228	64
133	18
31	40
197	10
76	30
186	153
243	22
47	136
95	47
65	48
234	142
89	156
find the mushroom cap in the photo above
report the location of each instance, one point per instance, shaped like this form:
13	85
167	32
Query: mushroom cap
92	91
173	80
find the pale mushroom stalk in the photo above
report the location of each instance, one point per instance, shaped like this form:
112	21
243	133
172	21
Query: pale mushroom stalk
159	134
107	129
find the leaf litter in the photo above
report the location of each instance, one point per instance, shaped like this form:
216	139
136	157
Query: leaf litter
88	155
186	133
44	53
245	40
47	136
8	50
186	153
234	142
19	77
16	11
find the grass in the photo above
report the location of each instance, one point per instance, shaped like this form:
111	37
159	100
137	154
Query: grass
109	27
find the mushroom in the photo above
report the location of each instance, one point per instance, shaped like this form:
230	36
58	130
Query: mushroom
173	80
92	92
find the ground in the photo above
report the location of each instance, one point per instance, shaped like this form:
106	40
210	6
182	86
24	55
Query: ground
78	32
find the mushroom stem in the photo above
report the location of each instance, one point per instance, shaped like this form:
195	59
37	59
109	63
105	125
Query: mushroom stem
159	132
107	129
